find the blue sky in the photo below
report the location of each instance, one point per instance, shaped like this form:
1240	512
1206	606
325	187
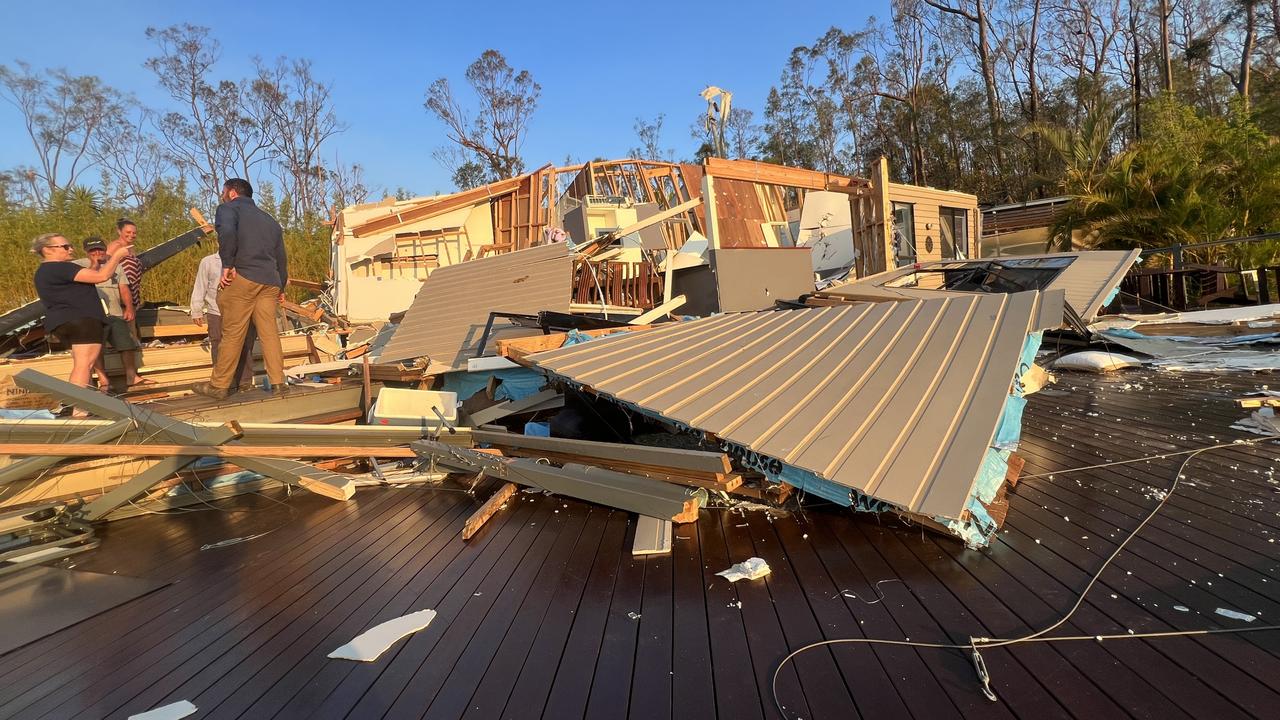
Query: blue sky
601	64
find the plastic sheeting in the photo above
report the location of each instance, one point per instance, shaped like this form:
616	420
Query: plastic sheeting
517	383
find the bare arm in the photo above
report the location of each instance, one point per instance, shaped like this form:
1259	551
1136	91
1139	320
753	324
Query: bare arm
105	272
126	299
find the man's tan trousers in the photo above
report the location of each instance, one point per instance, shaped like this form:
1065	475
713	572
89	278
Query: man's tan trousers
242	302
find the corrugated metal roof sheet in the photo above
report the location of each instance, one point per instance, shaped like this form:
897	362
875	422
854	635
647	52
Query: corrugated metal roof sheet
1087	281
1091	278
449	313
898	401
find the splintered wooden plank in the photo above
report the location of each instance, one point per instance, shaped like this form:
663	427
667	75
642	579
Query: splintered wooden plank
1258	401
1016	463
488	509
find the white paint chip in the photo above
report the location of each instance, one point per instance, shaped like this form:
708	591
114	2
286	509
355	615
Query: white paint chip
749	569
173	711
375	641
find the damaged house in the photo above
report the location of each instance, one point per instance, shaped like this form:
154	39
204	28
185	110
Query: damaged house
646	439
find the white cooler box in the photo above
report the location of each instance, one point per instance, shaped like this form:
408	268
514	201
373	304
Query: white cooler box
397	406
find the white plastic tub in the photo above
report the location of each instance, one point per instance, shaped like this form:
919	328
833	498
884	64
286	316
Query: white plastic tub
397	406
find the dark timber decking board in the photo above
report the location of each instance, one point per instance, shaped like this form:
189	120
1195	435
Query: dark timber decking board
535	611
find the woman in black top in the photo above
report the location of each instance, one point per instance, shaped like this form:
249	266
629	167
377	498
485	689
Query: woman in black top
73	314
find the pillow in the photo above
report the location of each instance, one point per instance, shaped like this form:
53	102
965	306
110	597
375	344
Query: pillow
1097	361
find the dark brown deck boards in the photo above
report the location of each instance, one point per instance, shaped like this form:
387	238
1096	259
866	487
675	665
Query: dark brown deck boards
535	612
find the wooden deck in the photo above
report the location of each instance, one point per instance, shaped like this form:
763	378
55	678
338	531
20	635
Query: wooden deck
545	613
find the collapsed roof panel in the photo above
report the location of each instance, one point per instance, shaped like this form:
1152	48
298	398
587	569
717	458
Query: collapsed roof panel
1088	278
448	315
897	401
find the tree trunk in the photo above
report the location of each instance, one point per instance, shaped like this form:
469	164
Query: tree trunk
1137	72
1166	62
1246	54
989	80
1033	90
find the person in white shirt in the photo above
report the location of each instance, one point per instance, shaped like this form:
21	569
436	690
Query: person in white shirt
204	309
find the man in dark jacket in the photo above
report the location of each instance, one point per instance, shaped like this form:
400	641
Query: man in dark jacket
254	273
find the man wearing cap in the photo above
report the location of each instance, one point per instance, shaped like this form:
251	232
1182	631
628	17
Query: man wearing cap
117	300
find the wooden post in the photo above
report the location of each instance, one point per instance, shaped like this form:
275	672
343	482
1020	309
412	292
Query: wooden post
886	214
709	202
368	386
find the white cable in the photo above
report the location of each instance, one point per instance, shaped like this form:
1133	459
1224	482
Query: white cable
976	644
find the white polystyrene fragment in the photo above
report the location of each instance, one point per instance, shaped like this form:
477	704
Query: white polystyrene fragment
1235	615
371	643
172	711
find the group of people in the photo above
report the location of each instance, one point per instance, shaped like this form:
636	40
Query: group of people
94	300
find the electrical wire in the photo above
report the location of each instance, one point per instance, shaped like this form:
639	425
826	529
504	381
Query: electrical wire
977	644
1161	456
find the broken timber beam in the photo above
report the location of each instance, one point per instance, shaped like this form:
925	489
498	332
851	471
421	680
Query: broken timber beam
515	349
711	481
204	450
24	469
144	480
604	487
661	311
291	472
1258	401
487	510
695	460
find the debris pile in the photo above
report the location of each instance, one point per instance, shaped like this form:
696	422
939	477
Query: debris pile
647	336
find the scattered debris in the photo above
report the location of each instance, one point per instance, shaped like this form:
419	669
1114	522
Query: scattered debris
172	711
234	541
749	569
653	536
368	645
1234	615
774	385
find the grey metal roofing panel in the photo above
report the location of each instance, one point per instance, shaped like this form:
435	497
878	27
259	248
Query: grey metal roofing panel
896	400
449	313
1087	281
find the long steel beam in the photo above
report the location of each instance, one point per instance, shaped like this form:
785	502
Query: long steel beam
632	493
323	482
27	467
163	469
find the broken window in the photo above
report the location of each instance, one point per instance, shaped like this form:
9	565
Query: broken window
1003	276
